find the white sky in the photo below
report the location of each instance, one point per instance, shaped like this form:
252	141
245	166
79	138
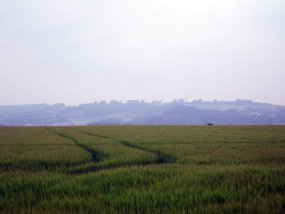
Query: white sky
79	51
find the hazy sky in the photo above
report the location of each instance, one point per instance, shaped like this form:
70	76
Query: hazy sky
80	51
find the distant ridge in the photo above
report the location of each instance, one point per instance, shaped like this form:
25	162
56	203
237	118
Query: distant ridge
139	112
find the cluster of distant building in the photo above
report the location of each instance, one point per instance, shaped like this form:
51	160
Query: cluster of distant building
114	102
141	112
159	102
239	101
153	102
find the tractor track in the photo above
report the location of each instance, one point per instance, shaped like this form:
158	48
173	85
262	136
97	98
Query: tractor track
161	157
98	157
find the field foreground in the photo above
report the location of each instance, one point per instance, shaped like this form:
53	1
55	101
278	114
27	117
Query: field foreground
142	169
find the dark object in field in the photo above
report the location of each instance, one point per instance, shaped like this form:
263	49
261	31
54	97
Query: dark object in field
210	124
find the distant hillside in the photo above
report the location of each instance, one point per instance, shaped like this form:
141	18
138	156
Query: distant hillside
177	112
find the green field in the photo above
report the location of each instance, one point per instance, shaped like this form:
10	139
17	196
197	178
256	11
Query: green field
142	169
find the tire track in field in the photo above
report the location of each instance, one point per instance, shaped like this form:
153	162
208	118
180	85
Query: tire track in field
161	157
98	163
97	156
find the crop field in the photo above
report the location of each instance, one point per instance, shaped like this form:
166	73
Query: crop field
142	169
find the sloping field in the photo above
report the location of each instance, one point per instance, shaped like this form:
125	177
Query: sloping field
37	148
142	169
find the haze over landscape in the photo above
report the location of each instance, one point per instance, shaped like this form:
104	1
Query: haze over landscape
151	106
140	112
79	51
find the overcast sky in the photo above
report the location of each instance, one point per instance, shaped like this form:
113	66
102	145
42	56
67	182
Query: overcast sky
80	51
